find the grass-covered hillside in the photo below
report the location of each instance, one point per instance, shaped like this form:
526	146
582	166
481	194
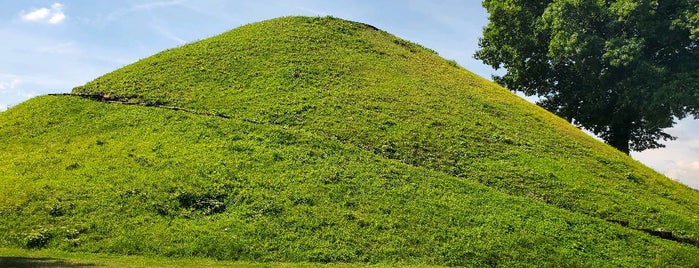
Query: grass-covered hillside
322	140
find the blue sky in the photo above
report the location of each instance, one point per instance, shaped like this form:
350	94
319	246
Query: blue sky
52	46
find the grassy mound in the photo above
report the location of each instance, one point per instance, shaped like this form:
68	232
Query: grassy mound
322	140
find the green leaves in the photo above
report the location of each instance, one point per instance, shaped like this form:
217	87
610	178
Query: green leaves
622	52
600	64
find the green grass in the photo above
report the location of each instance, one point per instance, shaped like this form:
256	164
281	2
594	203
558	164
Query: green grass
10	257
147	181
343	144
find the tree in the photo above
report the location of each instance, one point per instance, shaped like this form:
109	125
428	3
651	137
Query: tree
623	69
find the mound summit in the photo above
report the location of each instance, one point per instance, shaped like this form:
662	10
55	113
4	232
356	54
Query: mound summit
316	139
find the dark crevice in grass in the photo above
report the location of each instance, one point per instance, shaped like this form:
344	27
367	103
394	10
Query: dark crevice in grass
372	27
667	235
106	98
39	262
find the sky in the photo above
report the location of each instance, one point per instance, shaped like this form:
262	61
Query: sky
53	46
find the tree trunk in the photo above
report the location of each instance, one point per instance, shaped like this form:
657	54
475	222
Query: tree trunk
620	137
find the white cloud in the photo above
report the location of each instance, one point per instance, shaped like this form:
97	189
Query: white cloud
687	172
15	88
52	15
7	83
37	15
3	107
679	160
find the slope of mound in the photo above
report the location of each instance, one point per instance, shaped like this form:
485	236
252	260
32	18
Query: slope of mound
352	83
323	140
80	175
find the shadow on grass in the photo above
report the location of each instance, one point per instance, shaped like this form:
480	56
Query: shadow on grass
39	262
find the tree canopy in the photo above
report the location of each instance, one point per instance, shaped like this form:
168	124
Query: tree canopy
625	69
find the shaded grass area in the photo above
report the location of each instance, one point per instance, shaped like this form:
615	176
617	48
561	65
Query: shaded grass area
39	262
19	258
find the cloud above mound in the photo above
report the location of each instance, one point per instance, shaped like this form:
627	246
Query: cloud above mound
51	15
685	171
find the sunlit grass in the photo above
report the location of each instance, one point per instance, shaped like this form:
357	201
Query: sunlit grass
338	144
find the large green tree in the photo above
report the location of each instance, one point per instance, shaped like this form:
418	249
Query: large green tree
624	69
